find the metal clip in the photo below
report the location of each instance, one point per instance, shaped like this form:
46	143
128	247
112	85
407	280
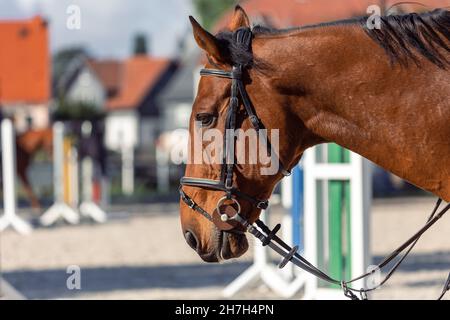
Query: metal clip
363	294
347	292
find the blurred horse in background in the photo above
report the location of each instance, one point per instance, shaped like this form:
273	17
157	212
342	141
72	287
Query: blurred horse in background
27	145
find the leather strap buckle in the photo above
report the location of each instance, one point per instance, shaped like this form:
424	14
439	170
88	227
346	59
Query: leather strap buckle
190	203
255	121
234	101
229	181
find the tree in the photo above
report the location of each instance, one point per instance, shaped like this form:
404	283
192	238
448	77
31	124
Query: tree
69	110
211	10
140	44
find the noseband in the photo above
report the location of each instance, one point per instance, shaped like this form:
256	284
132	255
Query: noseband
233	221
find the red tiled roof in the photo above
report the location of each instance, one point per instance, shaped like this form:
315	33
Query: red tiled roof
24	61
109	72
289	13
131	79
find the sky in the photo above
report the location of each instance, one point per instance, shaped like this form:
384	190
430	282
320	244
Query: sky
107	26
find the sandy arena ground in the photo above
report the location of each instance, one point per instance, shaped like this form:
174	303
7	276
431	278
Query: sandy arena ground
141	254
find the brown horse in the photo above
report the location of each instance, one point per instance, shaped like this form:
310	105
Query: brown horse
382	93
27	144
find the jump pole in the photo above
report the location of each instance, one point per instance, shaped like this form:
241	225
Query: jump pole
60	209
10	217
162	168
127	153
88	207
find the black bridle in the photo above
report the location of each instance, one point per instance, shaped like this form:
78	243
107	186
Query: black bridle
243	38
234	221
225	183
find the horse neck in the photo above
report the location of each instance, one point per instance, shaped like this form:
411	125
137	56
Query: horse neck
344	89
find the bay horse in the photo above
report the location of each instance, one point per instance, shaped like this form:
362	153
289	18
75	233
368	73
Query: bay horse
27	145
382	93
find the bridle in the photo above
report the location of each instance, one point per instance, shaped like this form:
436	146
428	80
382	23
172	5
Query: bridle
234	222
243	38
225	183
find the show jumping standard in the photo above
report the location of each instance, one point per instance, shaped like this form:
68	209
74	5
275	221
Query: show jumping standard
382	93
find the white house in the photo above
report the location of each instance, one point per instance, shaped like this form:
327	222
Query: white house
127	92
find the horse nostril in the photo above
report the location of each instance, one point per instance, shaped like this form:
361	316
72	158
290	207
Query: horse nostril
191	240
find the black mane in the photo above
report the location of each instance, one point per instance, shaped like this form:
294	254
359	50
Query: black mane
403	37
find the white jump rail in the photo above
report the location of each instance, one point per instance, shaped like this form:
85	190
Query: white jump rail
10	217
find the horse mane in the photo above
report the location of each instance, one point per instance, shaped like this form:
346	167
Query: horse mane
403	37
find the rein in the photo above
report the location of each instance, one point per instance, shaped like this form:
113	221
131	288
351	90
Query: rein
234	222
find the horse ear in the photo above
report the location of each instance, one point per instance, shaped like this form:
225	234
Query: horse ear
206	40
239	19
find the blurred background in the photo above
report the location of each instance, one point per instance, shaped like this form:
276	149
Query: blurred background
99	94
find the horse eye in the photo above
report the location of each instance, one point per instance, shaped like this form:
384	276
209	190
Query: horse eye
206	119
